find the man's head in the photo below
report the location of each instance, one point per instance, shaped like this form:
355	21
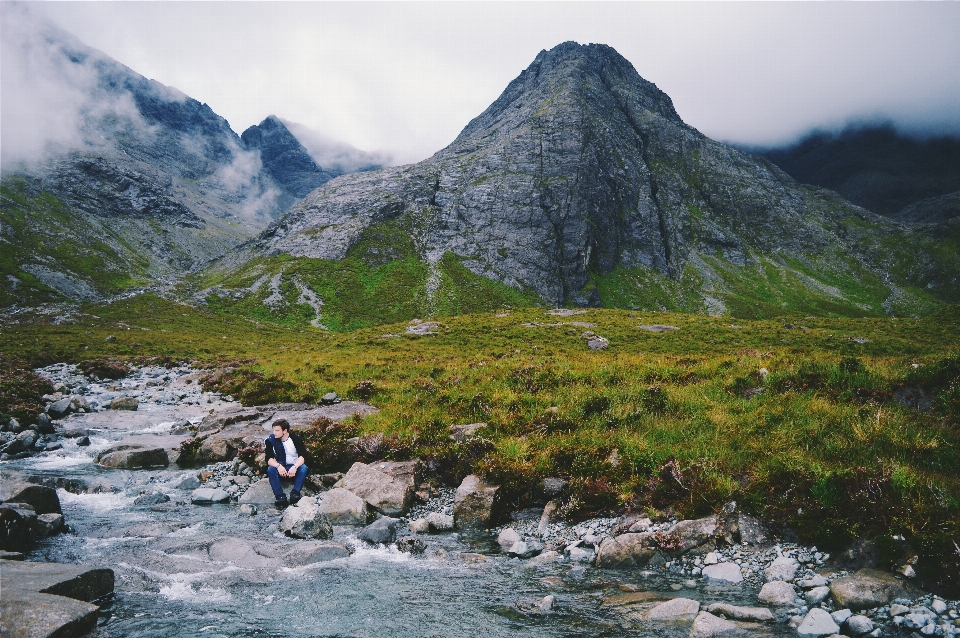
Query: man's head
281	429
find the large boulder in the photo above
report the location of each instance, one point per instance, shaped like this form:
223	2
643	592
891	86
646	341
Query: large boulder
408	472
778	593
868	588
440	522
389	495
343	507
477	504
18	527
260	493
223	444
240	552
59	409
782	568
305	520
381	531
507	537
675	610
697	533
625	550
42	499
723	572
817	623
706	625
133	457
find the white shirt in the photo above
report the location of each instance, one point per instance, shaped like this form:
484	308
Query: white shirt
291	450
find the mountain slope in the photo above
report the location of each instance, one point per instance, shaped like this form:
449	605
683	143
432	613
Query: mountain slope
581	185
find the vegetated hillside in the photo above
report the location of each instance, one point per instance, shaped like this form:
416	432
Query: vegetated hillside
831	427
151	183
880	169
582	186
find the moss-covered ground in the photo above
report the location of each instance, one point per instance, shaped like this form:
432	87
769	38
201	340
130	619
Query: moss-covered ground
832	427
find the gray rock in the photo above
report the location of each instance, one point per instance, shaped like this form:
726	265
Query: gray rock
44	424
440	522
27	438
706	625
343	507
782	568
209	495
260	493
477	504
462	433
816	595
410	545
154	498
755	614
124	403
859	625
381	531
384	493
310	552
723	572
554	487
247	510
810	583
546	604
675	610
579	555
897	609
329	398
50	524
938	606
40	498
59	409
83	441
625	550
305	520
18	527
868	588
420	526
189	482
778	593
507	538
816	623
133	457
526	549
696	533
841	615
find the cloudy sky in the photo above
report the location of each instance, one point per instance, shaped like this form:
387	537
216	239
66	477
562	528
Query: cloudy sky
405	78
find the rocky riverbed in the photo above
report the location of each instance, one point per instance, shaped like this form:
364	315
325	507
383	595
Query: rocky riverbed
201	550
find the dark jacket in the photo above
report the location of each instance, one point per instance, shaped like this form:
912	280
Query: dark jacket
273	448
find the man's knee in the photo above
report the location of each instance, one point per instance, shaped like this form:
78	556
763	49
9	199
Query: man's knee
302	470
272	471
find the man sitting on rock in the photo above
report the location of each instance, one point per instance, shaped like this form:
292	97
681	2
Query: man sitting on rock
285	454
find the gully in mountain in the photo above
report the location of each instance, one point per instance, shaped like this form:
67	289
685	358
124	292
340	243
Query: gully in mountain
285	459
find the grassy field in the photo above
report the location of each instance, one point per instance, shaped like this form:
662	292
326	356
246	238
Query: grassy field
834	428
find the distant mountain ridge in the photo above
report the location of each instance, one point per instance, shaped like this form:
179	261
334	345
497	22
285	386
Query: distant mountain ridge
581	185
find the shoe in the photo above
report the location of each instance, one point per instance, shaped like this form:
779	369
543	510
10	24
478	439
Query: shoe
281	501
294	497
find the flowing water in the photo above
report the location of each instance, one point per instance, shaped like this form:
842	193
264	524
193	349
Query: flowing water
167	584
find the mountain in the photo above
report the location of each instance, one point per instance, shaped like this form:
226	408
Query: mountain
880	169
581	185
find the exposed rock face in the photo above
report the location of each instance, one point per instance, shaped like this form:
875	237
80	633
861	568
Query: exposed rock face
305	520
343	507
581	167
476	504
284	158
42	499
382	492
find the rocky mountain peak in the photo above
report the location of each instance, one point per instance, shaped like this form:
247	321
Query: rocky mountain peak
285	158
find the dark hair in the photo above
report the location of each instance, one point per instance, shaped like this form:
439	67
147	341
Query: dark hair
282	423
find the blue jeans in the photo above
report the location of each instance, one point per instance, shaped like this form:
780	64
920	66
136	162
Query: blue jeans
298	480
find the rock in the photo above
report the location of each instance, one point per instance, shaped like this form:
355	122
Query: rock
859	625
696	533
706	625
124	403
938	606
209	495
778	593
463	433
305	520
898	610
596	342
189	482
625	550
782	568
154	498
247	510
476	504
27	438
381	531
526	549
817	622
59	409
724	572
54	446
310	552
507	538
384	493
546	604
816	595
83	441
755	614
44	424
49	599
841	615
710	559
420	526
343	507
133	457
18	527
329	398
440	522
675	610
579	555
657	328
751	531
5	555
42	499
411	545
549	511
810	583
868	588
554	487
241	553
260	493
406	472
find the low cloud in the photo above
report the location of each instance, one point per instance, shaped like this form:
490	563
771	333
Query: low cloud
335	155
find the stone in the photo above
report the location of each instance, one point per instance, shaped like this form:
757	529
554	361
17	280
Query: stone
209	495
868	588
579	555
782	568
310	552
27	438
83	441
154	498
59	409
419	526
247	510
18	527
463	433
440	522
710	559
549	511
50	599
477	504
543	558
507	538
706	625
696	532
384	493
554	487
734	612
124	403
723	572
240	552
305	520
816	595
859	625
329	398
381	531
343	507
625	550
778	593
411	545
840	616
525	549
546	604
810	583
410	473
42	499
817	623
133	457
596	342
260	493
897	609
189	482
938	606
5	555
50	524
675	610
